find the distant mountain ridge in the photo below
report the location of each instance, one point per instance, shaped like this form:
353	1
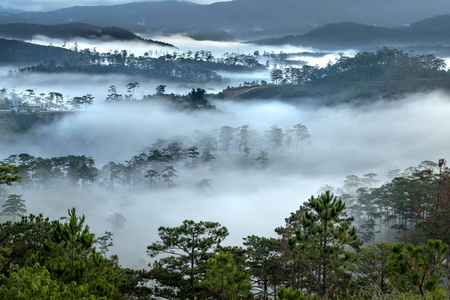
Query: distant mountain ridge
240	18
344	35
70	31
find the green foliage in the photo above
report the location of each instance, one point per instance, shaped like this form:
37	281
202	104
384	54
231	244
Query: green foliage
105	242
223	279
70	257
8	174
368	75
36	283
73	240
372	268
24	238
418	268
291	294
263	260
322	239
189	247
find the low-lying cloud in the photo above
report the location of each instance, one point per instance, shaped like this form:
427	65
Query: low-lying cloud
345	139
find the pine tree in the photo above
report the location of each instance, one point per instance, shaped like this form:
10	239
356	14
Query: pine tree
8	174
323	235
14	207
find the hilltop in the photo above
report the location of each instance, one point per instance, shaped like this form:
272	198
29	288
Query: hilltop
346	35
71	31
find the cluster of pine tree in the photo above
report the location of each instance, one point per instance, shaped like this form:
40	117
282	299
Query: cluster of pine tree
163	159
317	255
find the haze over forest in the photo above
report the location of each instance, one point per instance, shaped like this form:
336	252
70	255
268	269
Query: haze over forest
147	114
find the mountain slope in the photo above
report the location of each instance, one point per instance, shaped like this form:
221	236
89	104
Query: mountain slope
352	35
69	31
12	51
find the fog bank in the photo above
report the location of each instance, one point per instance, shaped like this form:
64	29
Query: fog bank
345	140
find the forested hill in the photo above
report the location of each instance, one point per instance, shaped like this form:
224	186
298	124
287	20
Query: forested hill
12	51
387	73
70	31
346	35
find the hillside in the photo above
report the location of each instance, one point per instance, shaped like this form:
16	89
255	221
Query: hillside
437	23
346	35
247	19
70	31
386	73
12	51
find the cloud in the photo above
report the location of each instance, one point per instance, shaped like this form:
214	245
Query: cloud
345	139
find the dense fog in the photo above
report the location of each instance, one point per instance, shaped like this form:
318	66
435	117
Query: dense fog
346	139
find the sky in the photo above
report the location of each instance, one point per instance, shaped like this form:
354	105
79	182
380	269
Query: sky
46	5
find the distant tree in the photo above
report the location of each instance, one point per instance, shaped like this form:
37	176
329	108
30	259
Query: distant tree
193	155
160	90
14	207
367	230
197	97
152	176
276	137
77	102
88	100
226	135
263	159
276	75
117	220
130	89
113	96
207	156
244	142
168	174
301	134
105	242
204	184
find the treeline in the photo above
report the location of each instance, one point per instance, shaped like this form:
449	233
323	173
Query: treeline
385	64
417	198
386	72
190	67
316	255
33	103
162	160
